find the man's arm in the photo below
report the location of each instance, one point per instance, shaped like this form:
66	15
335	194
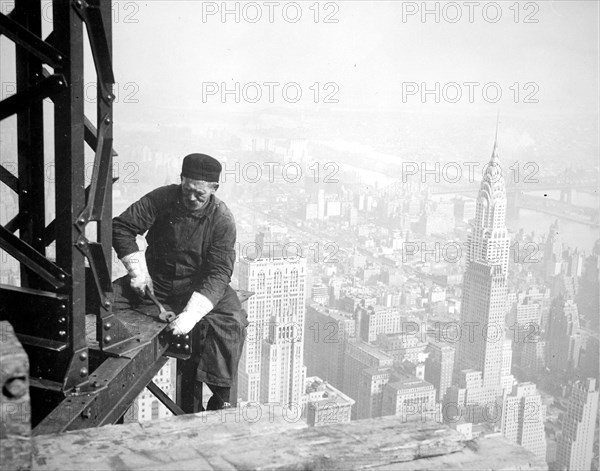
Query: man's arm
136	220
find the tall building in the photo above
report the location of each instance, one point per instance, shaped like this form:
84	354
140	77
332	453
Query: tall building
523	416
572	262
359	357
576	443
321	204
326	333
564	336
372	383
533	354
271	367
439	366
483	306
588	300
506	378
553	252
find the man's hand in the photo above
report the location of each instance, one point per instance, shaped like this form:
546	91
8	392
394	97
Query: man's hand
138	271
197	307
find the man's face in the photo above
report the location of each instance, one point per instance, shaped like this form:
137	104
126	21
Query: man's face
196	192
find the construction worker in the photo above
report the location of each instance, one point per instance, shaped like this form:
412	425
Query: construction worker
187	265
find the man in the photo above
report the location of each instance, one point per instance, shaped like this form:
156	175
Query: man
188	265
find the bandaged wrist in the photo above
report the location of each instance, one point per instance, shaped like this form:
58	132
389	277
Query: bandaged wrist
135	263
198	306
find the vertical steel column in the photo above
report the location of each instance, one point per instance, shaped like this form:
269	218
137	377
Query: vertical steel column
105	109
104	230
70	181
30	135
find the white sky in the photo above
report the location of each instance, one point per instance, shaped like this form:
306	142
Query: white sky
368	53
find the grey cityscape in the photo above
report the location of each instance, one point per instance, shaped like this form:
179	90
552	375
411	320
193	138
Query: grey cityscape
415	193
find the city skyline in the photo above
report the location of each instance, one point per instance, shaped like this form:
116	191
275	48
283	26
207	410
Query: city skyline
393	266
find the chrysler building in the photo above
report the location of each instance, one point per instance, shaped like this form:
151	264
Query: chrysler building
480	377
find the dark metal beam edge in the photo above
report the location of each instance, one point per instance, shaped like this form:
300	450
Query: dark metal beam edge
30	42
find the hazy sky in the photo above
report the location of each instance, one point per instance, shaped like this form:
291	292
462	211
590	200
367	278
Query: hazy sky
165	52
372	49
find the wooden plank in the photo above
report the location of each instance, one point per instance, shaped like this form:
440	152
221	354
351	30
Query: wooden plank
15	406
243	439
267	437
486	454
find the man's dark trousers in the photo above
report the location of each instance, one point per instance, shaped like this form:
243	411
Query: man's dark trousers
217	345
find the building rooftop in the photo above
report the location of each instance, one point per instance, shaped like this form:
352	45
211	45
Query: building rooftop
377	371
370	349
333	313
321	392
403	381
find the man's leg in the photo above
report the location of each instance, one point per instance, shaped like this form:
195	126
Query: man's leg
219	398
218	342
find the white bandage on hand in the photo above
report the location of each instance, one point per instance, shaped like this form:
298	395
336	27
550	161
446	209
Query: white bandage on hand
138	271
197	307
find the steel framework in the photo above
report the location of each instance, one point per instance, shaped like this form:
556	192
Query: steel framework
77	380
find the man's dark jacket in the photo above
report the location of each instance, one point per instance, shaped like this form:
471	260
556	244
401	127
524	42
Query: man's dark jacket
187	251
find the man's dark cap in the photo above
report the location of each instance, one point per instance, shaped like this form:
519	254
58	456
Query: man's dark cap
201	167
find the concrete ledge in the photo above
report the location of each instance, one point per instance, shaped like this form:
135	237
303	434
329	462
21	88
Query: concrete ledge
15	405
486	454
220	441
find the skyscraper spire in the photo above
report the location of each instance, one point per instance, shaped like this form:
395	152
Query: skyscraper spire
488	240
494	158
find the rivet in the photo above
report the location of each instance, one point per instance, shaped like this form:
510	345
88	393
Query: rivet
86	414
58	57
81	243
107	339
81	220
62	320
106	303
62	333
107	326
186	346
95	384
178	345
15	387
83	372
83	356
107	121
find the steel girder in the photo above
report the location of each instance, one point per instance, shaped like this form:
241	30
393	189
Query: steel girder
49	309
